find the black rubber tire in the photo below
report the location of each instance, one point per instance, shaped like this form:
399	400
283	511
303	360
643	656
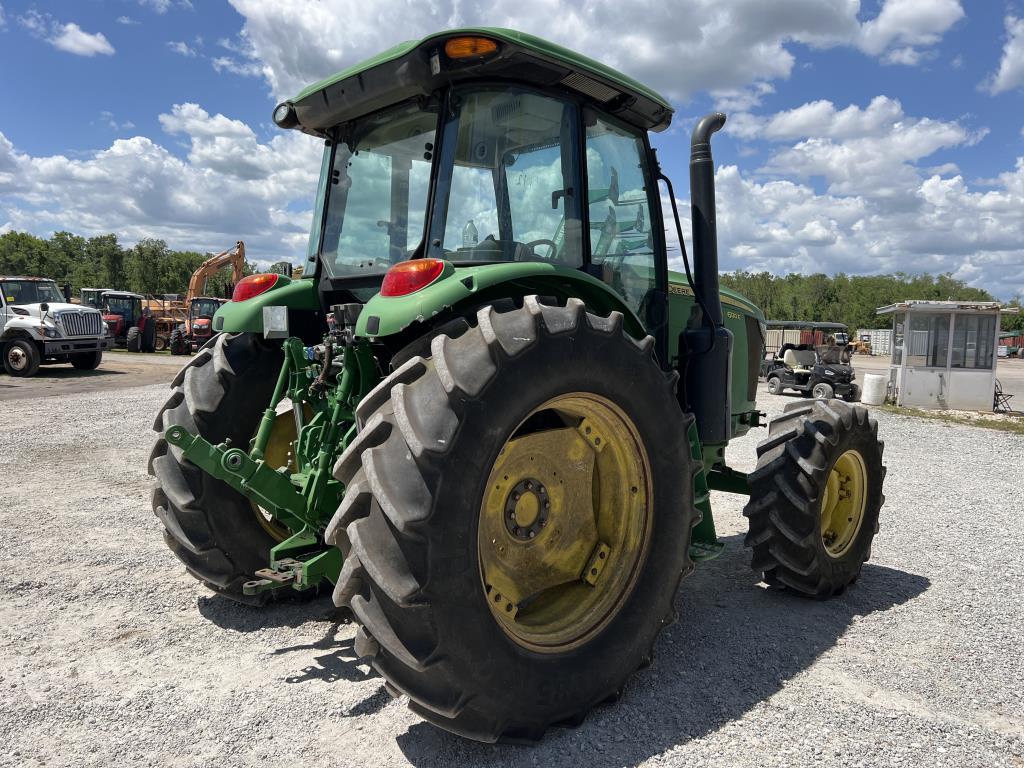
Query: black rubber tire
775	386
177	343
853	396
89	361
148	342
209	526
32	358
133	340
822	391
793	466
429	435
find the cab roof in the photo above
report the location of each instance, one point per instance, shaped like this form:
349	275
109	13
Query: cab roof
420	67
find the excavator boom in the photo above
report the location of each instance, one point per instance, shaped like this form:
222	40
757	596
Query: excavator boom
234	257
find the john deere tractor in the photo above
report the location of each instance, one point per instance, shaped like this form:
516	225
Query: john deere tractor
488	414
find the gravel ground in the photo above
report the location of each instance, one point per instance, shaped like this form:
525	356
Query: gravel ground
112	656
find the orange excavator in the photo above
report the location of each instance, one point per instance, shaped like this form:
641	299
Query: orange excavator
197	329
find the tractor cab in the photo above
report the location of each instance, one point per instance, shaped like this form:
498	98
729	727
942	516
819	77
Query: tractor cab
121	312
811	358
200	317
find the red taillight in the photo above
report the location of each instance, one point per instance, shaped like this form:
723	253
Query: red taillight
409	276
254	285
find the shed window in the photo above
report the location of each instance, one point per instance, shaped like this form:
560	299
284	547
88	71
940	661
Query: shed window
973	341
928	340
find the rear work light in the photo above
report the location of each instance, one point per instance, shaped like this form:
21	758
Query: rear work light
254	285
469	47
409	276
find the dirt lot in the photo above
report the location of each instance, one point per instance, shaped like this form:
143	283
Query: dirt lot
119	370
112	656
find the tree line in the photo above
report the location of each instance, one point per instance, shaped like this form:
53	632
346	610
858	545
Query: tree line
852	299
148	267
151	267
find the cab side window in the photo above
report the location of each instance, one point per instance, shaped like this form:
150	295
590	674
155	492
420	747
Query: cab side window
621	241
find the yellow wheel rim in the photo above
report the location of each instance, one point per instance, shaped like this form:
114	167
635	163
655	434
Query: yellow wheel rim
842	506
277	454
565	522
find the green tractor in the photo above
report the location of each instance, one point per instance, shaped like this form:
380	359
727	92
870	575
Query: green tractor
488	413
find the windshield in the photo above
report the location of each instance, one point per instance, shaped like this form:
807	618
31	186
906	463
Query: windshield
204	307
120	305
376	191
18	292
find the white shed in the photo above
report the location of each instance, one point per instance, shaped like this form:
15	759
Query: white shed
944	353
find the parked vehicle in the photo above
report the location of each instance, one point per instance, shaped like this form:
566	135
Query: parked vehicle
197	329
817	366
38	327
129	323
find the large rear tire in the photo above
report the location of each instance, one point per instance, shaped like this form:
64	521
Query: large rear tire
178	344
440	440
815	497
214	530
133	340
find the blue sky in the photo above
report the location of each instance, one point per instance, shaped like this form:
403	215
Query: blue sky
864	137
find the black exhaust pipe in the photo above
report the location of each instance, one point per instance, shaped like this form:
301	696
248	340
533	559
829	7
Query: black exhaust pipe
708	376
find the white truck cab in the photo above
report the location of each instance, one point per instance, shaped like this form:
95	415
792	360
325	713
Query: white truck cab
38	326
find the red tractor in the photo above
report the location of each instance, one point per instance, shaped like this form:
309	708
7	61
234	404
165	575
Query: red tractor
128	323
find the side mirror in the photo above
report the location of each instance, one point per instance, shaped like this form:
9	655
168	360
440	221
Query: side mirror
44	307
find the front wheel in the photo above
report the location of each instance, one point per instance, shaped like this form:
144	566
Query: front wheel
516	521
815	497
774	386
21	358
89	361
133	340
177	343
822	391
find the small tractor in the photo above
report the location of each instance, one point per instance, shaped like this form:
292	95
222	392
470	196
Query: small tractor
815	363
488	414
197	329
129	323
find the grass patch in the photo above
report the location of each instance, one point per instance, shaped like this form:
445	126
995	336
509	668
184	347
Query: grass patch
1000	423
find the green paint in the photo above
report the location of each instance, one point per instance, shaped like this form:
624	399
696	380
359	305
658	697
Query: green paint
469	286
530	43
247	316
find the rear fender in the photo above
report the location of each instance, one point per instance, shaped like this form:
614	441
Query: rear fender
299	296
462	290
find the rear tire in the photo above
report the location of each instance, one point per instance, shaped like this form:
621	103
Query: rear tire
148	333
87	362
133	340
177	343
791	486
409	523
210	527
853	396
21	358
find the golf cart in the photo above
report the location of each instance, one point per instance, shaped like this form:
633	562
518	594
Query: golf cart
811	358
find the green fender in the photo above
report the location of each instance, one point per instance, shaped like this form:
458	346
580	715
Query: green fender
466	287
247	316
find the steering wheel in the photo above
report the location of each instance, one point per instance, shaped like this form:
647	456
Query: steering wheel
532	245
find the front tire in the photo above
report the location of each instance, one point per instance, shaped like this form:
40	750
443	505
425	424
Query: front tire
815	497
21	358
822	391
775	386
214	530
417	519
87	362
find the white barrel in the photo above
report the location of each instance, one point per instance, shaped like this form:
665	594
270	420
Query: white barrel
875	385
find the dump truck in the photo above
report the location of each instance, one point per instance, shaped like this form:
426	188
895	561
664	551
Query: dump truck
489	414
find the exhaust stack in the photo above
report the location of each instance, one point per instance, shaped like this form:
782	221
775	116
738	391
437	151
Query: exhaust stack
708	373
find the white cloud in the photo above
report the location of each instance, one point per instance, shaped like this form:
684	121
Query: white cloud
127	21
1010	74
181	48
242	68
231	185
3	21
65	37
681	47
111	120
160	6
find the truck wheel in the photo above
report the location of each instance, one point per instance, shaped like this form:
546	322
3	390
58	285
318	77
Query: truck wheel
21	358
177	342
220	536
815	497
517	519
774	386
133	340
822	391
90	361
